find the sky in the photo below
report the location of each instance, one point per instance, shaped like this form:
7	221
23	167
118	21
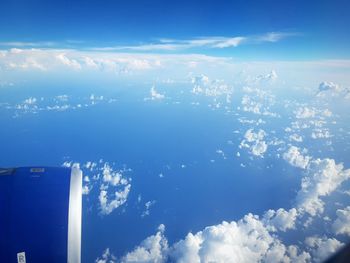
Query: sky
302	29
158	101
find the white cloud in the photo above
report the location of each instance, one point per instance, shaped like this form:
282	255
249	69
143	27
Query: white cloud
294	157
320	133
112	177
322	247
322	178
305	112
259	148
329	86
200	42
255	142
148	206
86	190
258	101
342	224
211	88
114	191
90	62
275	36
30	100
120	197
199	82
229	42
72	63
153	249
280	219
155	95
295	137
27	63
247	240
106	257
270	77
250	136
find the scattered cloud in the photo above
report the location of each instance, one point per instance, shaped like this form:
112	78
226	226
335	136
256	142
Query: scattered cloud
256	100
254	141
153	249
247	240
121	188
342	224
280	219
155	95
270	77
59	103
318	133
72	63
328	89
305	112
106	257
148	206
295	137
322	247
323	176
112	186
295	158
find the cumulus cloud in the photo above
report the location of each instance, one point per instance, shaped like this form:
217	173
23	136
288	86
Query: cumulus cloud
259	148
199	82
322	178
120	190
254	141
72	63
318	133
244	241
148	206
120	63
112	185
322	247
247	240
328	88
155	95
258	101
270	77
305	112
295	158
252	239
153	249
295	137
280	219
342	224
214	88
59	103
250	136
106	257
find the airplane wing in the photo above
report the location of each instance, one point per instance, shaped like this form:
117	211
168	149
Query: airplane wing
40	214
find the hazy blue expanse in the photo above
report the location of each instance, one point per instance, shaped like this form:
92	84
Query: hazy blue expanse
184	148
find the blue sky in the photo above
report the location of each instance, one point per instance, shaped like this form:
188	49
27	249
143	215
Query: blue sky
311	29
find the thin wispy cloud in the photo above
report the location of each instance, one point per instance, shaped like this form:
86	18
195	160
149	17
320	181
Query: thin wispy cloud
216	42
23	44
162	44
